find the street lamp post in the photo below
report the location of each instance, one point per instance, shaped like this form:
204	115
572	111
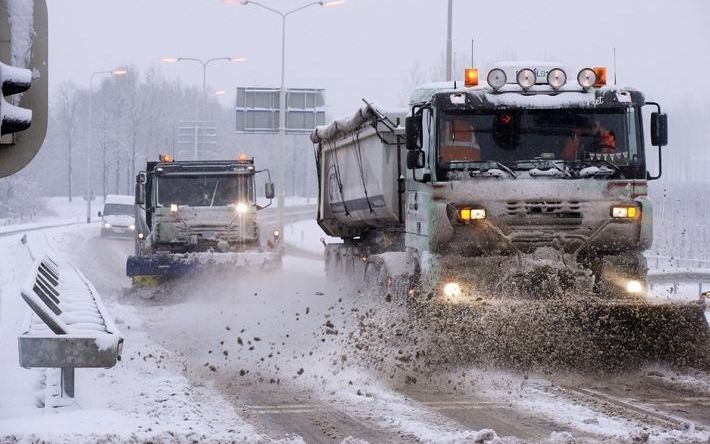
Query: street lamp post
449	45
204	64
114	72
281	162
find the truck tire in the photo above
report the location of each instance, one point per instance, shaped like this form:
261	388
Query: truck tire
611	271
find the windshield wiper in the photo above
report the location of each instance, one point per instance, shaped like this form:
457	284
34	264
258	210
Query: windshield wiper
214	192
481	168
604	162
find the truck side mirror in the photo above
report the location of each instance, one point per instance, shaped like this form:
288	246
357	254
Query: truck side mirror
415	159
659	129
269	190
100	215
140	194
413	129
140	190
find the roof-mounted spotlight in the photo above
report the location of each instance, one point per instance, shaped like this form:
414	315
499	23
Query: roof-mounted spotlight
526	78
496	78
556	78
587	78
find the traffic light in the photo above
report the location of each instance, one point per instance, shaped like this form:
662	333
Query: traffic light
23	81
14	81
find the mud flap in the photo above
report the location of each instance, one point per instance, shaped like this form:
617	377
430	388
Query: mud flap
587	334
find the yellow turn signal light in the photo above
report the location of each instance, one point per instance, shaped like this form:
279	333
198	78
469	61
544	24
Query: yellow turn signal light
624	212
471	77
469	214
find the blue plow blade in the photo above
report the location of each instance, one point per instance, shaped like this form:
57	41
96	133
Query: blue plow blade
158	265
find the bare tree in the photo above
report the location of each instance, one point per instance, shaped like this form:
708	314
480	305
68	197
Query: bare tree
66	116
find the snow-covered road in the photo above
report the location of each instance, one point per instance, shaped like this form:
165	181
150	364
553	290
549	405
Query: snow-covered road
263	357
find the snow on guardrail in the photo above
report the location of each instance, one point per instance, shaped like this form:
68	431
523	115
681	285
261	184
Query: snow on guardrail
70	326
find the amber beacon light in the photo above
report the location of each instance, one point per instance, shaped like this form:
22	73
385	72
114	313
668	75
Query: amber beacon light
471	77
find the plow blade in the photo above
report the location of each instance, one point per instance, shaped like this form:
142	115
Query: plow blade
165	266
584	334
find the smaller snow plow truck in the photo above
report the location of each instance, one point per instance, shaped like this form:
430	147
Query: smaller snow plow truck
198	215
512	215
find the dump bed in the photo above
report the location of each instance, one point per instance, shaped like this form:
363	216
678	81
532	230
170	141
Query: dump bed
360	161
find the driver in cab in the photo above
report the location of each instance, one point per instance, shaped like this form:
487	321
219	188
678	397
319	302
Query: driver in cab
458	142
603	142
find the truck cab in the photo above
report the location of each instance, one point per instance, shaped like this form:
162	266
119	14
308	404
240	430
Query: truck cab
532	164
190	212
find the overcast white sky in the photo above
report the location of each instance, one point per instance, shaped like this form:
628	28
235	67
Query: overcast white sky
366	47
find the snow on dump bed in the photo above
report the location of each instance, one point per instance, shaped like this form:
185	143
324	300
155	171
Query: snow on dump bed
340	127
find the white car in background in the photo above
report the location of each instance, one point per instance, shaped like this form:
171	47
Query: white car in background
118	216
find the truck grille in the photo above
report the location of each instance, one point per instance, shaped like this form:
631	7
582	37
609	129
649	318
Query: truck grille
219	232
547	210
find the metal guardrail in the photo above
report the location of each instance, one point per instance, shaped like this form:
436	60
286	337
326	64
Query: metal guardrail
676	271
664	262
70	327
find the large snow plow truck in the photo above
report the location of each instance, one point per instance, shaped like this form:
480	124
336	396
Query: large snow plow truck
198	215
524	196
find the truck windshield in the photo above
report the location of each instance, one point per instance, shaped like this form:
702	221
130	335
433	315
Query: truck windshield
202	191
118	210
522	138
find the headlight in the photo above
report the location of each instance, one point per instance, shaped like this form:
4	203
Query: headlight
132	227
173	208
469	214
496	78
587	78
241	208
556	78
452	290
107	225
140	236
624	212
526	78
634	286
277	233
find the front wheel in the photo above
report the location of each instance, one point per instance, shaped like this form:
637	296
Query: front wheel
622	273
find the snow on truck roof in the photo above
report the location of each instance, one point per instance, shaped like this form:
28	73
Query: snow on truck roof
120	199
538	96
550	84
